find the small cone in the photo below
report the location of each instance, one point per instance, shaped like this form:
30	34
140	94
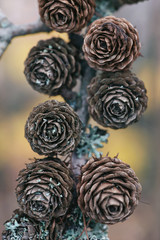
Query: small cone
66	16
111	44
44	189
108	190
52	65
116	100
53	128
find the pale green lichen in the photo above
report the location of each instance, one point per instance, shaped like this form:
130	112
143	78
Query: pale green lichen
43	231
103	8
96	231
90	141
18	225
15	228
12	225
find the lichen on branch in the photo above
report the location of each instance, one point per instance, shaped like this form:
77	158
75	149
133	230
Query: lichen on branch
8	30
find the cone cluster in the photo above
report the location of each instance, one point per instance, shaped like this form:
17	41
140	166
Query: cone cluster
45	187
115	99
108	190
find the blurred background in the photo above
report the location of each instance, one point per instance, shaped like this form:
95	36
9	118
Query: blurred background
138	145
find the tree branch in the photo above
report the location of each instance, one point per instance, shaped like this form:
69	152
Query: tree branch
8	30
87	74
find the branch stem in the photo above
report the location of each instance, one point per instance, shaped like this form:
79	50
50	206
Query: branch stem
8	30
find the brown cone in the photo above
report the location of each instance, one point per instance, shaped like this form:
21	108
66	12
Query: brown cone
44	189
66	159
116	99
108	190
111	44
66	16
20	227
53	128
51	65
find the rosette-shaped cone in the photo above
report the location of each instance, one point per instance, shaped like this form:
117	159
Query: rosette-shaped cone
52	65
116	99
20	227
111	44
44	189
53	128
108	190
66	15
